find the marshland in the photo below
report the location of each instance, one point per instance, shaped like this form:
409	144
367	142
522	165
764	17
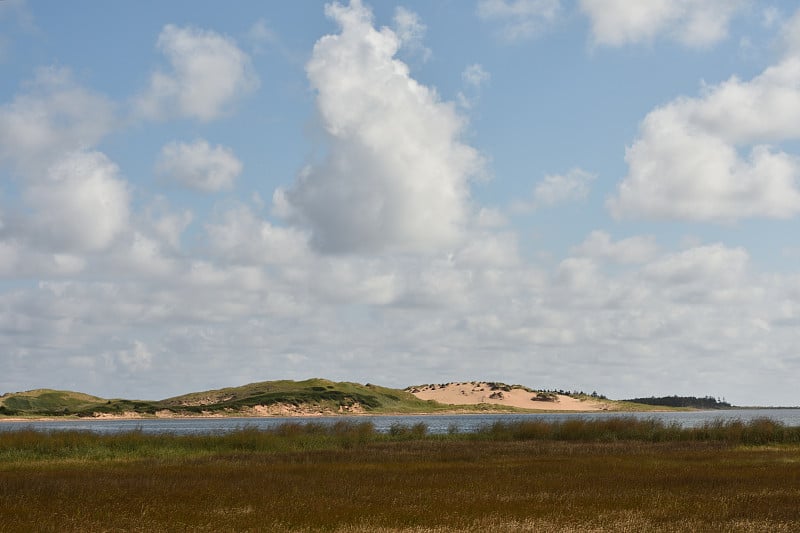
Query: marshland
611	474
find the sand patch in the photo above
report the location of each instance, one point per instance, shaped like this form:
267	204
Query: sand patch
477	392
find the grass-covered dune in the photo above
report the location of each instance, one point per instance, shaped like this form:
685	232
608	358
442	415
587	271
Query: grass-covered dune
285	397
618	474
268	397
315	394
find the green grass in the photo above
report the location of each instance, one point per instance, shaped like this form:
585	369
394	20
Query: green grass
617	475
312	394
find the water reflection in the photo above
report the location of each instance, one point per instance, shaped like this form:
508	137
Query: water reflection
437	424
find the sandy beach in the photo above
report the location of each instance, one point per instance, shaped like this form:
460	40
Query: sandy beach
478	392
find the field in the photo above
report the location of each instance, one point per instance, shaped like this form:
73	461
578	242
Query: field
612	475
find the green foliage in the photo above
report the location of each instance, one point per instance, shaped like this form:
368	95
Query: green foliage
47	402
312	394
708	402
309	393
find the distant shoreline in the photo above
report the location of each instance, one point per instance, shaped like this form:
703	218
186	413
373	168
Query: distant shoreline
318	397
454	412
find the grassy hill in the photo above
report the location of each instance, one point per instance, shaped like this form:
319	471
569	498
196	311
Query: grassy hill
312	395
42	401
49	402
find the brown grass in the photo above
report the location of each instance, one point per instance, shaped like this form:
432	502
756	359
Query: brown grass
412	482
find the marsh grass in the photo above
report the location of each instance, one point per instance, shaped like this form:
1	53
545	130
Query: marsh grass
610	475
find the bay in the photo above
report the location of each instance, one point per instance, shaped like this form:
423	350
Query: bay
436	424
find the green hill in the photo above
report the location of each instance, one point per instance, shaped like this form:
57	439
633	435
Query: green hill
312	395
46	401
49	402
317	394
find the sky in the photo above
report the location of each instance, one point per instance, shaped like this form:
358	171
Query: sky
594	195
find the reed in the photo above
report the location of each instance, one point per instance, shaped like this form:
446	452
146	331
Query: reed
615	475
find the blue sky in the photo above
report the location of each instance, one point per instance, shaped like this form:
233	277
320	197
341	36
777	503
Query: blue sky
588	194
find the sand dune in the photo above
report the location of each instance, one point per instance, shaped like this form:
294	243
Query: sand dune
476	392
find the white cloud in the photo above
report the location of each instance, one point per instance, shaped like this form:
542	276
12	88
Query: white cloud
259	35
411	31
19	260
240	237
709	274
209	73
53	116
396	174
475	75
598	245
199	166
716	264
100	290
693	23
81	203
164	225
519	19
687	164
790	34
770	16
136	358
491	218
555	189
489	249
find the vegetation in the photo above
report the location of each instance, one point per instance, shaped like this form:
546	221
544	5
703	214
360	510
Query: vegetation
708	402
319	393
602	475
302	397
313	394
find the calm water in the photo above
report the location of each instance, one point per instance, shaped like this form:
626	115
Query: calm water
435	423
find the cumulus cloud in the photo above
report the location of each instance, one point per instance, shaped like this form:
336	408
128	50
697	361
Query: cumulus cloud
198	165
411	31
491	218
53	116
209	73
475	75
136	358
688	161
557	189
81	204
599	245
260	35
519	19
19	260
164	225
790	34
241	237
707	274
396	174
693	23
705	264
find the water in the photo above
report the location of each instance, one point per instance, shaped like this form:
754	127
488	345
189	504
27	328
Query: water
436	424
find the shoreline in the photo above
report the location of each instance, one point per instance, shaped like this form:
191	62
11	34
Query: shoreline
454	412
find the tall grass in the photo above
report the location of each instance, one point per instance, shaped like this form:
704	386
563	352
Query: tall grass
28	445
754	432
617	474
